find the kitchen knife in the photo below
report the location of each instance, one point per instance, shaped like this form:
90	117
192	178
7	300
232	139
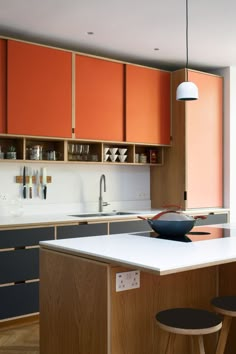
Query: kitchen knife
24	182
30	183
38	183
44	183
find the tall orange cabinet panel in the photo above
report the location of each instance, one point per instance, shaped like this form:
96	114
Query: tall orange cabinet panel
204	170
147	105
39	90
3	86
192	174
99	102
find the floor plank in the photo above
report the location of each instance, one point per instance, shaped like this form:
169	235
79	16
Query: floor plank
23	339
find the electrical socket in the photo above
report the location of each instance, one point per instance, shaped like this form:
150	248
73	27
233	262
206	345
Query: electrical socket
3	197
127	280
141	195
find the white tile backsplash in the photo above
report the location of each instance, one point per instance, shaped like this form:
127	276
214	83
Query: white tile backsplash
75	187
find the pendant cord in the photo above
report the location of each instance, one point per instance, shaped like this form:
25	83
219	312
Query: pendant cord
187	37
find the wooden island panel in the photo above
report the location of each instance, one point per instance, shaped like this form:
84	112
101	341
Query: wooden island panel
84	314
227	286
134	328
73	305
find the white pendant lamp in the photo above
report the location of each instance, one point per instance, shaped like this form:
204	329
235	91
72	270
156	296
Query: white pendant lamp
187	90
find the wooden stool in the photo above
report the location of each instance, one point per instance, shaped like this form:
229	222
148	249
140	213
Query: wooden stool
190	322
225	305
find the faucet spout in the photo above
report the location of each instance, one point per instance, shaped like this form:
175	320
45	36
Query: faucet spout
101	202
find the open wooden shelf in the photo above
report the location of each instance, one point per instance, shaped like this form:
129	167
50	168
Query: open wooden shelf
79	151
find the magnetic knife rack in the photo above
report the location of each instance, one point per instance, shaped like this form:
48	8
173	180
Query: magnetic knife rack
19	179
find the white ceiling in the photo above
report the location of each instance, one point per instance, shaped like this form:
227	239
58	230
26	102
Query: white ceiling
129	30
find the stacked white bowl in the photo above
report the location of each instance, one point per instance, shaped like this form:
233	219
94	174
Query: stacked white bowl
122	156
113	155
106	154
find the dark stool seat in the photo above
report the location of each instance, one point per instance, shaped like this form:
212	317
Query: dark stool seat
188	321
226	306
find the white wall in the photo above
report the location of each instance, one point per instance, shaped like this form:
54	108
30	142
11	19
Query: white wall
76	187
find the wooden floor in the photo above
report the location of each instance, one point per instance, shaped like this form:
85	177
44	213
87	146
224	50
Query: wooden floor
23	339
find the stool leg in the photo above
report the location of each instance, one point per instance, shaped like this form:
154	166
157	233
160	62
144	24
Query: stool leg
197	345
223	335
170	344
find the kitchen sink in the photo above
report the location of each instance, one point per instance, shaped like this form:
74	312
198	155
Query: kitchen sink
113	213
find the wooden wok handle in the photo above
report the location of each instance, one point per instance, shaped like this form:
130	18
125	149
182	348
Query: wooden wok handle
169	206
141	217
164	212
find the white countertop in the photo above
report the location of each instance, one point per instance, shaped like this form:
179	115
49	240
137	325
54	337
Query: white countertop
150	254
66	218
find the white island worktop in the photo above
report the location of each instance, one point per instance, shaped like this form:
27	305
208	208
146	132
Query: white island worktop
152	254
85	312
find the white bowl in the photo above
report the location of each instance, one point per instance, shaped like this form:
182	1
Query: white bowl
106	150
122	158
122	151
106	157
113	151
113	158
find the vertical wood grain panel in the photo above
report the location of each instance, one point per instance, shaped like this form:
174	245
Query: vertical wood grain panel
134	328
227	286
73	305
99	99
168	181
147	105
3	86
39	90
204	143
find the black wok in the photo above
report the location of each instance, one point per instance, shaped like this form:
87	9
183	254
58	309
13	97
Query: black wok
172	227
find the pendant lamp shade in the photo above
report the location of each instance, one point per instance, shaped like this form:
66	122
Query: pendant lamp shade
187	91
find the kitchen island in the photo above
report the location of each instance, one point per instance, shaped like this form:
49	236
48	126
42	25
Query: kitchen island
81	310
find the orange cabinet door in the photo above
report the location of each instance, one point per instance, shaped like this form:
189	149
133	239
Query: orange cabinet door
39	90
147	105
3	86
204	170
99	102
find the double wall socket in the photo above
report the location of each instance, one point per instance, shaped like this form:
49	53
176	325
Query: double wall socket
3	197
127	280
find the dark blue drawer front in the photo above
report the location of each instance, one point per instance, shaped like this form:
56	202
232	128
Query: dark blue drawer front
212	219
81	230
18	300
19	265
25	237
129	226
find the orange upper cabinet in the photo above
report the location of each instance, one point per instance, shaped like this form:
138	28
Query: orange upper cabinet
204	170
147	105
39	90
99	101
3	86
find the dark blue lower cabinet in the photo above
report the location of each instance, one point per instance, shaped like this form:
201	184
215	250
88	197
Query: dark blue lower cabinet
19	270
121	227
19	299
212	219
85	230
19	265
